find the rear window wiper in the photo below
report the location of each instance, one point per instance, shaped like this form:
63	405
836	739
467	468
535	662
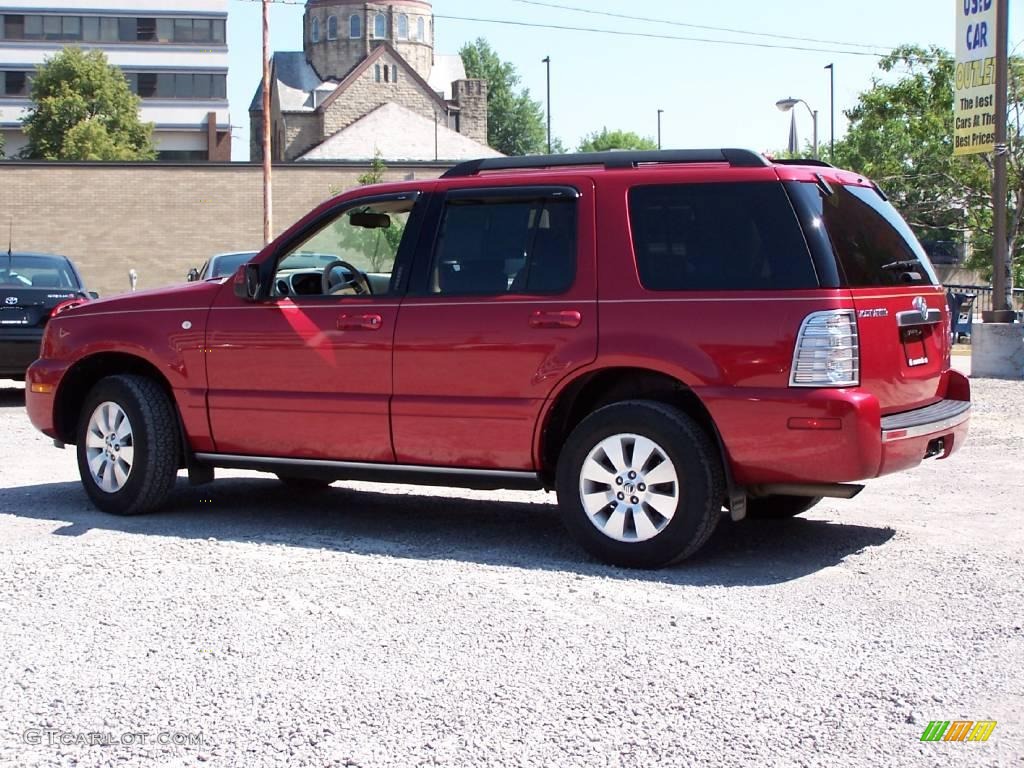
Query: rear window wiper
902	264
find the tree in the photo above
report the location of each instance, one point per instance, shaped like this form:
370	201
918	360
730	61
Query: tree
2	146
83	109
901	136
376	173
605	140
515	122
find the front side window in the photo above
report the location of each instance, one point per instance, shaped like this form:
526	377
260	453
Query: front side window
718	237
332	27
354	254
355	27
872	243
506	246
380	26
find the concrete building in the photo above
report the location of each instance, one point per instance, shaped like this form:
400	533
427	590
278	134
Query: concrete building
174	54
369	82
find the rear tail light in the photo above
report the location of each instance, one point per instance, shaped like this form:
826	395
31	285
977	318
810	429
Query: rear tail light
827	353
66	305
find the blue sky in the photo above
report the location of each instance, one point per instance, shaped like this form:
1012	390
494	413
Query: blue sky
712	94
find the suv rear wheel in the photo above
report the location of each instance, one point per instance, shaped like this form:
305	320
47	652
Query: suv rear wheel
640	484
128	445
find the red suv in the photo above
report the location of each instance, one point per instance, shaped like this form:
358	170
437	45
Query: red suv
657	336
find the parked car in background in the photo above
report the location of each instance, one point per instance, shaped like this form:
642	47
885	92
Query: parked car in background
33	288
221	265
654	335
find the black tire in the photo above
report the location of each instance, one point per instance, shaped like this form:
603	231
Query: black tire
700	486
155	442
779	507
307	484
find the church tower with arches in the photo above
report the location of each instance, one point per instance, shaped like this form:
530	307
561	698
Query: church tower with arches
368	82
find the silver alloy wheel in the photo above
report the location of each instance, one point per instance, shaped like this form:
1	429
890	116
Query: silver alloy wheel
109	447
629	488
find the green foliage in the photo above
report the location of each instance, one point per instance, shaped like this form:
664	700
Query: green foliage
515	122
2	145
376	173
83	109
605	140
901	136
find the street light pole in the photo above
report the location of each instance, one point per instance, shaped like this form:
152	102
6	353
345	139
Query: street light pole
659	127
547	60
268	204
832	107
785	105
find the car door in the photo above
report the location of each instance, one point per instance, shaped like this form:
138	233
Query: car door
502	308
307	372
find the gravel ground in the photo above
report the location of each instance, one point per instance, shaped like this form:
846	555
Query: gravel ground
403	626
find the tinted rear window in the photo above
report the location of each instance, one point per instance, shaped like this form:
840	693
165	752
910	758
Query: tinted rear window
872	243
23	271
718	237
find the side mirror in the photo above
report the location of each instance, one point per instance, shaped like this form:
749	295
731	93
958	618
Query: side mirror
193	275
247	282
93	295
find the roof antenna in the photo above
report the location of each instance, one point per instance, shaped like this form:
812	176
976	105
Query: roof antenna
10	248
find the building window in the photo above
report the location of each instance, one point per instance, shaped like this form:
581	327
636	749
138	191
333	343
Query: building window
387	74
314	30
380	26
111	29
332	27
421	29
355	27
403	27
182	85
376	73
394	73
15	83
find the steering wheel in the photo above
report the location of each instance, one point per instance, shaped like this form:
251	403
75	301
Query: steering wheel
355	280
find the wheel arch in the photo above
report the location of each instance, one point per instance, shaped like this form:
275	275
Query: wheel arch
595	389
77	382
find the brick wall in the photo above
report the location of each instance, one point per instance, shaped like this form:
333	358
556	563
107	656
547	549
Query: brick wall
159	219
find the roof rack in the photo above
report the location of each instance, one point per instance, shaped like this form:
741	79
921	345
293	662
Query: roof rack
739	158
803	161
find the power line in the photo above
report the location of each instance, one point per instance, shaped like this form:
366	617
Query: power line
651	35
674	23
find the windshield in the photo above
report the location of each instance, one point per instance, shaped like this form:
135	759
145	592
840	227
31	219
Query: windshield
228	264
25	271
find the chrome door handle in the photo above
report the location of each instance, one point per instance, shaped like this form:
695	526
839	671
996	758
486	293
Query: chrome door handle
566	318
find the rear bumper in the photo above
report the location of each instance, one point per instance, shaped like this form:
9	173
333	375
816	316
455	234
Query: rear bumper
938	418
18	348
833	436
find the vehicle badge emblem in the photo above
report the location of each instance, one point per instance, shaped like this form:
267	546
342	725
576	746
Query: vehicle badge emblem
921	305
11	300
187	325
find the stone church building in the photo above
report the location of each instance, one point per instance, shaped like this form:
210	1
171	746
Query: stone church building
368	82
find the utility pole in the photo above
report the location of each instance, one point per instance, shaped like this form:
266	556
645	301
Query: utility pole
832	107
268	204
547	60
660	111
1002	277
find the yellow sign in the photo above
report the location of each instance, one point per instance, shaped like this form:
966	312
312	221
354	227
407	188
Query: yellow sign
974	98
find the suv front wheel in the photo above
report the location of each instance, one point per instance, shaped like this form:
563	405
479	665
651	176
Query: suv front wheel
128	445
640	484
